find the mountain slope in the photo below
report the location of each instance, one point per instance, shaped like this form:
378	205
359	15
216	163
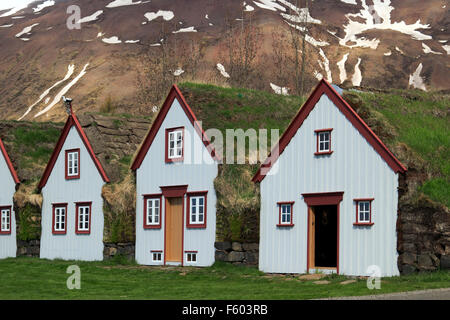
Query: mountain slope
367	43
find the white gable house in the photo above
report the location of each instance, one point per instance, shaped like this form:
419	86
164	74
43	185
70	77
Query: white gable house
9	181
72	208
176	201
329	196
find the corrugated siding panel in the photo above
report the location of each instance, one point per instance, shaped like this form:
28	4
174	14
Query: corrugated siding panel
59	190
8	245
154	172
355	168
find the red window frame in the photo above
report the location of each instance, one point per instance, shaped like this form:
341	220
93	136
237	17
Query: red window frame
318	152
280	204
67	164
178	159
77	214
59	205
188	211
10	219
357	201
147	197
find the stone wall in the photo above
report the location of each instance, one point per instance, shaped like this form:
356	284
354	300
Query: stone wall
114	249
237	253
31	248
423	236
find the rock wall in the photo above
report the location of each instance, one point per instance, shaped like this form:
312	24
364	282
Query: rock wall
423	236
237	253
31	248
123	249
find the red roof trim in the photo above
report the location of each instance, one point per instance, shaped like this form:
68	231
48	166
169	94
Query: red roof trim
174	93
71	121
9	163
325	88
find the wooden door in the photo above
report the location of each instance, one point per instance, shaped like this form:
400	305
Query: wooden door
312	237
174	229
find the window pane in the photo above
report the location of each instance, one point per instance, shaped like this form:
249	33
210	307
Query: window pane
200	201
200	218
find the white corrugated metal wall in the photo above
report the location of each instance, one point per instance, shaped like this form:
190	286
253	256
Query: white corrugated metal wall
355	168
8	245
154	172
88	188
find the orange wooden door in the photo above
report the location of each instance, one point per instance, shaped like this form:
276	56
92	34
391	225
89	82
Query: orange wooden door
174	229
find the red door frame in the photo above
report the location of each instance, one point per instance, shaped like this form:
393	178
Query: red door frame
322	199
174	192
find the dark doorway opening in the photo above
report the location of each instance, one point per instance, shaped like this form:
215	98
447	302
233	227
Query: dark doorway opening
325	236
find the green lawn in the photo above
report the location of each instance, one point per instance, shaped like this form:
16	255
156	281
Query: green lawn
32	278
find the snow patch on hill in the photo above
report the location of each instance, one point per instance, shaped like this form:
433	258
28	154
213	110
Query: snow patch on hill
446	48
15	9
341	66
6	26
415	80
325	65
121	3
222	71
112	40
357	76
166	15
70	70
349	1
308	38
269	5
279	90
63	92
188	29
178	72
90	18
26	30
43	5
427	49
377	17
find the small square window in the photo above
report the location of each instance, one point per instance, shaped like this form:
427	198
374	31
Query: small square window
323	141
191	257
73	164
5	217
152	211
363	212
197	210
83	223
156	256
59	218
285	214
174	144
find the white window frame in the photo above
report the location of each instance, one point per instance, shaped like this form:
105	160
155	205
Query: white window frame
58	214
321	143
151	206
191	257
158	255
5	220
196	208
284	213
175	136
73	163
366	212
86	215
